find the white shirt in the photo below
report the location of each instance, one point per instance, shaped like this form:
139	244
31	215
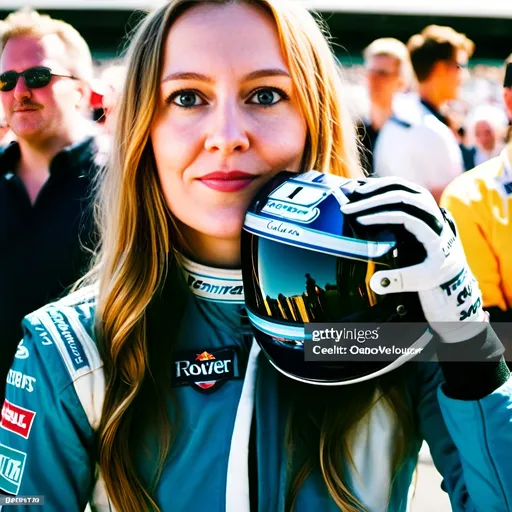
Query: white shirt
482	156
417	146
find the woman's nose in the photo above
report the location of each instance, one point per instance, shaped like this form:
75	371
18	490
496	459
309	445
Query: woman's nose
228	131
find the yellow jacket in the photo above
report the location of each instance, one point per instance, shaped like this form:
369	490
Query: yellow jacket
480	201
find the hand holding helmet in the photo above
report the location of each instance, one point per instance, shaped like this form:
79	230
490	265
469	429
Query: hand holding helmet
448	292
305	261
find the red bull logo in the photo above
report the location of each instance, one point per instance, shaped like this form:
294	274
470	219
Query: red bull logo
206	356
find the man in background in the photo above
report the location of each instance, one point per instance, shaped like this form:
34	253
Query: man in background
419	145
45	174
480	201
388	71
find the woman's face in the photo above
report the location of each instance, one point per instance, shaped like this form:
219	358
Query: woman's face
227	121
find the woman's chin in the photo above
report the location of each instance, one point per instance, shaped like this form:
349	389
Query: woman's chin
226	232
226	226
216	229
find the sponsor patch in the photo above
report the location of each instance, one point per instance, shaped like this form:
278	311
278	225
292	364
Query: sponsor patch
472	310
72	343
295	201
12	465
453	284
17	419
21	381
21	351
212	288
290	211
205	370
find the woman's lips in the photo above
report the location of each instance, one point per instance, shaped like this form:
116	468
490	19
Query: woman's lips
231	181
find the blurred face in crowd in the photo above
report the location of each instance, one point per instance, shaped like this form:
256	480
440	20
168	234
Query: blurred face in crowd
451	74
384	78
485	135
227	121
42	114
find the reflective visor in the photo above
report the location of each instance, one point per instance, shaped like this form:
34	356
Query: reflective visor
287	286
294	285
305	262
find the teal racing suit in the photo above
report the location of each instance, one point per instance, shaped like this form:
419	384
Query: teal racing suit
55	394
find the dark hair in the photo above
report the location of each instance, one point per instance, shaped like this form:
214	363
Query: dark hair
434	44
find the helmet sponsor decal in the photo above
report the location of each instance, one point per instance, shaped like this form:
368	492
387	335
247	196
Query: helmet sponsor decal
306	238
295	201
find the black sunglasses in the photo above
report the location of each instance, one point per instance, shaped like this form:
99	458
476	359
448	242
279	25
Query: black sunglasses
35	78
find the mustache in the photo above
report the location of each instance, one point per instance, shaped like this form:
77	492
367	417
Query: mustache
26	104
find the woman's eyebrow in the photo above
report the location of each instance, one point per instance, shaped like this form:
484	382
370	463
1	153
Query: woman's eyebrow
253	75
262	73
188	75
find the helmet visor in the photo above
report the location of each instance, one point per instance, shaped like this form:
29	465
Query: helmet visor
296	285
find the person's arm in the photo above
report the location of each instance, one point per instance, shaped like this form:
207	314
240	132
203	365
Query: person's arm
472	450
469	440
473	232
46	441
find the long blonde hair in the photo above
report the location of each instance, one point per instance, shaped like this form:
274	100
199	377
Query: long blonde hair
139	240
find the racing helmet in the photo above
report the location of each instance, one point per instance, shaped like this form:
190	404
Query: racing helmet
304	261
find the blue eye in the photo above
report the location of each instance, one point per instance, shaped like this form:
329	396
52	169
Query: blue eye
185	99
267	97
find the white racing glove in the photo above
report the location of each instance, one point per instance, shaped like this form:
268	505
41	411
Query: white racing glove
448	292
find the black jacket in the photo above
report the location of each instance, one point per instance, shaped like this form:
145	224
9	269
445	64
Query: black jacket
43	247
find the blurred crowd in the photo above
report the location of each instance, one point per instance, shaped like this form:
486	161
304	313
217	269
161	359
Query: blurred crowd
470	102
481	88
475	111
423	113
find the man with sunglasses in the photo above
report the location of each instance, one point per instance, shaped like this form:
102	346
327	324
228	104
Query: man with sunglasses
419	145
45	175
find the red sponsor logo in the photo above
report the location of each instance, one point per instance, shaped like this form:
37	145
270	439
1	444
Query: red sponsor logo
206	356
17	419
